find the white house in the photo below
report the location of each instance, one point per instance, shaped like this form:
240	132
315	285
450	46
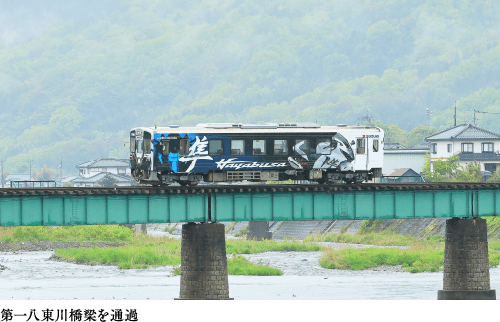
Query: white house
474	143
115	166
93	181
18	177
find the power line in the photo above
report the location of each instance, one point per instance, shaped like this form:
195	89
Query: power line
482	113
485	112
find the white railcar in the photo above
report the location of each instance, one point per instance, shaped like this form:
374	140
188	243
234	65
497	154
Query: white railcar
221	152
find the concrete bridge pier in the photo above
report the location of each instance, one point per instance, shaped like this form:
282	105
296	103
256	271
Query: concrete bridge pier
466	267
203	262
259	230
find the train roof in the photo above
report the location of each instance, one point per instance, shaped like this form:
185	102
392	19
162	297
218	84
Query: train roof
260	128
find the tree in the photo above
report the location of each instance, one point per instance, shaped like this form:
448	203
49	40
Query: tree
107	181
472	172
442	170
449	170
417	135
45	174
392	133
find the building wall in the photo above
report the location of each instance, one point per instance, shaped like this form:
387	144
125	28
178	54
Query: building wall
397	160
89	172
456	147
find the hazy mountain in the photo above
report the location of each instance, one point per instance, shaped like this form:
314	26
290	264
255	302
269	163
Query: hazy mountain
76	76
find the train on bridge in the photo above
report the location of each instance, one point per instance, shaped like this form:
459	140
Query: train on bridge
229	152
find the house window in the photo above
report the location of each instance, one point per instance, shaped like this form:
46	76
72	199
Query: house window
434	147
237	147
467	147
487	147
259	147
449	148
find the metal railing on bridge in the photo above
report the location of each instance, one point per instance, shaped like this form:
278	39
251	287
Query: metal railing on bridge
140	204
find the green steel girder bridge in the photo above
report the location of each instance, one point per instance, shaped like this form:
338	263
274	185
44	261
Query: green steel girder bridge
215	203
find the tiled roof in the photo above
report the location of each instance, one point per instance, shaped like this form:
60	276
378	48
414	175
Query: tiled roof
18	177
422	146
69	179
485	156
463	132
393	146
101	175
401	172
103	163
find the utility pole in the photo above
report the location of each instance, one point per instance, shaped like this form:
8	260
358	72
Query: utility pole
455	117
60	173
429	124
475	117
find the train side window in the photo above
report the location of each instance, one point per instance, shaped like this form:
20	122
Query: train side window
301	147
259	147
215	147
375	145
280	147
237	147
184	147
360	146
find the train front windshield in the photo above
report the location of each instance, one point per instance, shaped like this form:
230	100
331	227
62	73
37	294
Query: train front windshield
139	144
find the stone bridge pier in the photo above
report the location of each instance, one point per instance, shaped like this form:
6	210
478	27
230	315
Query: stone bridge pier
466	267
259	230
204	262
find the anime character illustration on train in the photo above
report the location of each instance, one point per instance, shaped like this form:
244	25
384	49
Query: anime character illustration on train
226	152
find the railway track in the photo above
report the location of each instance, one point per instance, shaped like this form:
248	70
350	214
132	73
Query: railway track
210	188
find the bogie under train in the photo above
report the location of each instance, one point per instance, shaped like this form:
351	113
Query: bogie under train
226	152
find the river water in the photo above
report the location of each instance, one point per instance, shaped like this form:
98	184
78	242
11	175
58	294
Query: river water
32	276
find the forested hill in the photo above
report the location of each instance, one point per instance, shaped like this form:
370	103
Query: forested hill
75	76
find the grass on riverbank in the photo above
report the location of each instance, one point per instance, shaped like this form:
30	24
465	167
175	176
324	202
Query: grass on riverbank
384	238
138	255
417	258
156	254
238	246
94	233
239	265
150	251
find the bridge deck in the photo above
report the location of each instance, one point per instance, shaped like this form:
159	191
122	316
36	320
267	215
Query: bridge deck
88	206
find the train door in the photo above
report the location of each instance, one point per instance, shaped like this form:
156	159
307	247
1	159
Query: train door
361	159
173	155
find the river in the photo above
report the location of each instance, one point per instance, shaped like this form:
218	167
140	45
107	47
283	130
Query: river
31	276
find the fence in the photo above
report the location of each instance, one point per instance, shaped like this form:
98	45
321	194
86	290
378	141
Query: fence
33	184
